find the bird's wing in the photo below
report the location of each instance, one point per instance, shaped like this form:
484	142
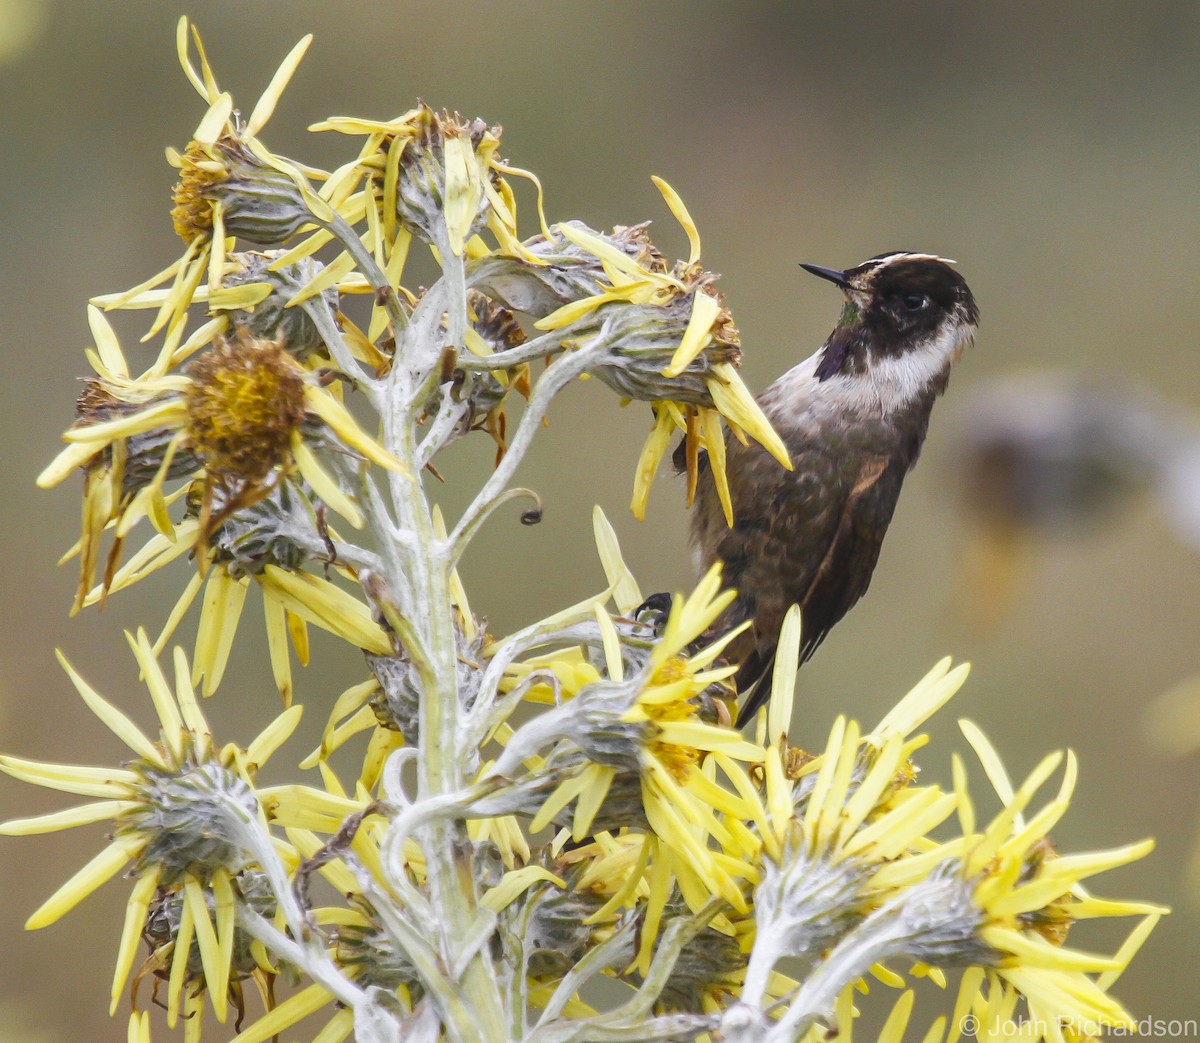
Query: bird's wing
834	546
849	560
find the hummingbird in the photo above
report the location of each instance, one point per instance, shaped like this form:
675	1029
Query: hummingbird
853	417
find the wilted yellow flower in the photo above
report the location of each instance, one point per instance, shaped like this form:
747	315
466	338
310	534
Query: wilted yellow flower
673	344
230	184
242	417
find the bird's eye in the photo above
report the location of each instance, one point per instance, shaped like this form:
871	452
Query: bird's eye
913	301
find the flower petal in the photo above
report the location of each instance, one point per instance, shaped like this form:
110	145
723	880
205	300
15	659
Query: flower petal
103	867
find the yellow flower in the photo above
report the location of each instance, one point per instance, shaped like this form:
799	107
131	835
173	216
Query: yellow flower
241	419
174	810
229	184
672	343
634	752
837	837
1029	896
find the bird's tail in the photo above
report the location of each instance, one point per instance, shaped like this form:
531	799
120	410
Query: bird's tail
753	679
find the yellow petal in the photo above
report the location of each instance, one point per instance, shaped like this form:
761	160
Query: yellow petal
320	602
697	335
84	815
67	461
328	276
206	942
626	593
106	343
105	783
1129	949
103	867
611	255
273	736
180	956
926	697
463	191
164	702
598	780
736	404
714	443
162	414
286	1014
575	310
675	204
277	646
131	933
181	48
516	883
139	1027
783	679
323	485
112	718
215	121
346	428
242	297
270	97
225	915
647	465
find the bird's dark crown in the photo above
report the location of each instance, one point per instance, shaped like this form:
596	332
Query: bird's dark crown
896	274
895	303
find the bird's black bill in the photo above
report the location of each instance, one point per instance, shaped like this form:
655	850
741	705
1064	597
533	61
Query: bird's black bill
832	274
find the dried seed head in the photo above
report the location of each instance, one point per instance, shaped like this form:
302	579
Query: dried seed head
557	933
245	402
397	706
710	967
278	529
440	195
166	910
643	339
370	952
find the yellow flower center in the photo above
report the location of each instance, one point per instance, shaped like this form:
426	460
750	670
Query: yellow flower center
245	401
193	211
680	761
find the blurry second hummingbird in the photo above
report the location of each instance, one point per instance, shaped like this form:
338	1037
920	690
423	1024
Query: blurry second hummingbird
853	417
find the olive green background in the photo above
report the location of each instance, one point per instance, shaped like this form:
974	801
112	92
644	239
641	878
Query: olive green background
1052	149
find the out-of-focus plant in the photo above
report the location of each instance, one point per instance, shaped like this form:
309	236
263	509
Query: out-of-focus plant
537	812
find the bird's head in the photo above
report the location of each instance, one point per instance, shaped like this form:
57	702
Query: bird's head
900	307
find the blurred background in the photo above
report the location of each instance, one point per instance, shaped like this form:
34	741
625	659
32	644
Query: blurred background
1051	149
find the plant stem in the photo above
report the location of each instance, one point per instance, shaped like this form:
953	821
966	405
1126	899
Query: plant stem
418	575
